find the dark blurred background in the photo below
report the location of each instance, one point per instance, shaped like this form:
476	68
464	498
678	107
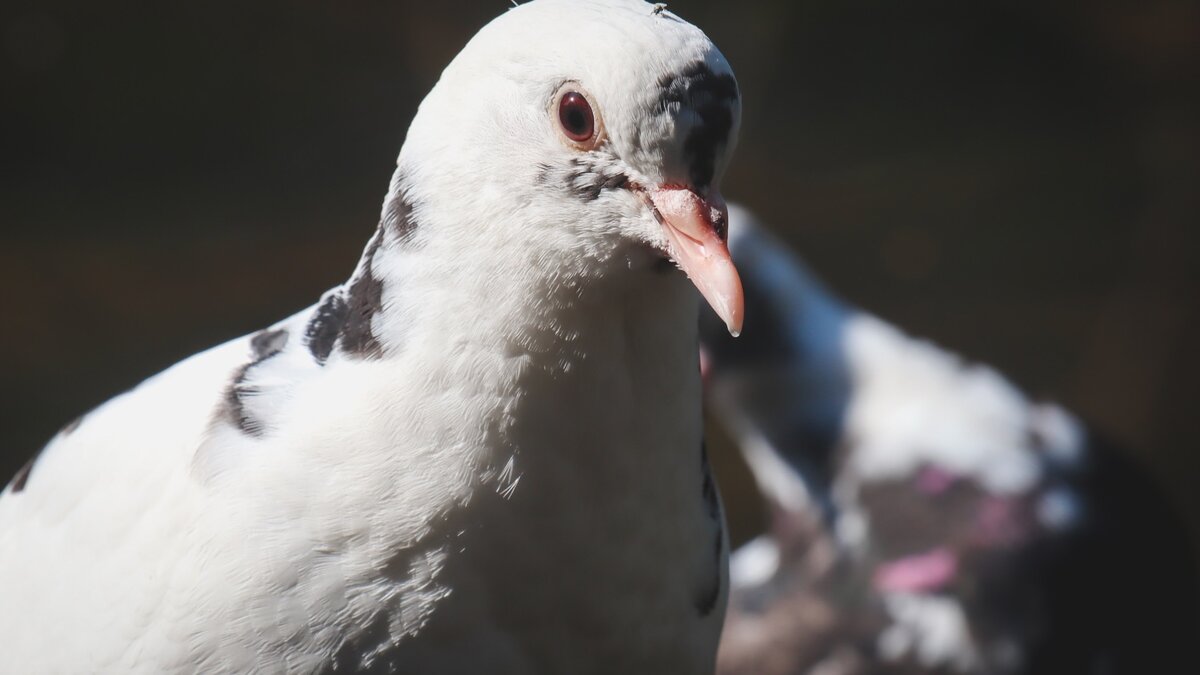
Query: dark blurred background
1017	180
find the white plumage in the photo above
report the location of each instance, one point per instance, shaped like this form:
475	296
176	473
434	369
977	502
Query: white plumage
480	454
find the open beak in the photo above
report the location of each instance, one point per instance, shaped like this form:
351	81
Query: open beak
696	230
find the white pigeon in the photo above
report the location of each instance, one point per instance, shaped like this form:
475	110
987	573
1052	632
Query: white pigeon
483	453
926	517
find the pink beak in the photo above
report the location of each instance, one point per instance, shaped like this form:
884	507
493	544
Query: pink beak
696	229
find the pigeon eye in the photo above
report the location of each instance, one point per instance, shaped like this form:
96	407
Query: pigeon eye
578	121
576	117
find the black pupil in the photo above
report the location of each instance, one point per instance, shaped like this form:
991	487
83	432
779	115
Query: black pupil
575	114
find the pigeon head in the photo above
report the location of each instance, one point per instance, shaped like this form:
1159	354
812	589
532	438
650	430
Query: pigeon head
590	135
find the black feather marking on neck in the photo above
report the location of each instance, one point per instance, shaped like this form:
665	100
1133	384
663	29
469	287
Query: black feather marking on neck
263	346
711	97
268	343
706	599
398	216
322	330
344	317
364	299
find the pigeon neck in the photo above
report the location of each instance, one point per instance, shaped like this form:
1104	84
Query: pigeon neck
473	269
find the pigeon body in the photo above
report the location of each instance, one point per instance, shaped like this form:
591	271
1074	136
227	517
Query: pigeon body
926	517
482	453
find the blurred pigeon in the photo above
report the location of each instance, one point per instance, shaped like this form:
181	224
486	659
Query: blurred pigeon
926	517
483	453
